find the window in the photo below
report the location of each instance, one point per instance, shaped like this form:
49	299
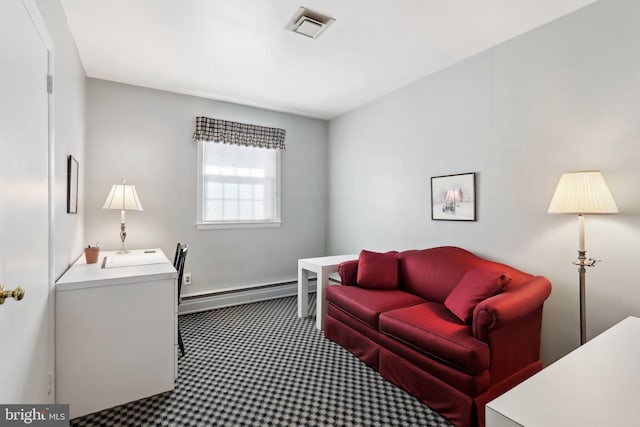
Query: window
238	174
238	186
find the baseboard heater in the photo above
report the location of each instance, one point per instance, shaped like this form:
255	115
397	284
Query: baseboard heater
246	295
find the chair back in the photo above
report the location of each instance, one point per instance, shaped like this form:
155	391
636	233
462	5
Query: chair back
178	264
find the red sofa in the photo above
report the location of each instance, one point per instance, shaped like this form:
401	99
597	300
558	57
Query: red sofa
394	311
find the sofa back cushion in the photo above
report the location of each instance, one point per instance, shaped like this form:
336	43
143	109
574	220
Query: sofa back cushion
477	285
433	273
378	270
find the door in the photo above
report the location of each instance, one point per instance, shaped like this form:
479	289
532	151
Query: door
24	200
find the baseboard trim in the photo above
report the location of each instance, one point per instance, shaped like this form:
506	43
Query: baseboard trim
228	298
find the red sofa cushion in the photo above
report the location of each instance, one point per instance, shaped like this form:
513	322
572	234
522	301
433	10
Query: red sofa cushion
367	304
378	270
433	330
476	286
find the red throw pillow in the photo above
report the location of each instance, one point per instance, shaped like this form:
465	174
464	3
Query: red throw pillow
378	270
476	286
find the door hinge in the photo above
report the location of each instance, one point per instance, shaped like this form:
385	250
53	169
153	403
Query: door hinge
49	83
50	383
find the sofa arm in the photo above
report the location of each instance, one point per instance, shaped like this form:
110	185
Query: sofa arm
510	305
511	323
348	272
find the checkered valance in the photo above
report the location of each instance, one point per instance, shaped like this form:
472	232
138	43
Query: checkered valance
226	132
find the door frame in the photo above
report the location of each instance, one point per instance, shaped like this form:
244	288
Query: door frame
38	22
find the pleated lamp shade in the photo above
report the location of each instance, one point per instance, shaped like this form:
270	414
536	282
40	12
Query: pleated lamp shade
123	197
583	192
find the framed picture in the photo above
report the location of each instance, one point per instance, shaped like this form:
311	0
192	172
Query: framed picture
72	185
453	197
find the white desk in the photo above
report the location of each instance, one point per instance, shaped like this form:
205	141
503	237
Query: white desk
116	332
595	385
323	267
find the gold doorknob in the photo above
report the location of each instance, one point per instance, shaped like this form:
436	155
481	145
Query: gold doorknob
17	293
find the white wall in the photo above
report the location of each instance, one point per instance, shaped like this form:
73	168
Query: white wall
562	97
69	124
145	135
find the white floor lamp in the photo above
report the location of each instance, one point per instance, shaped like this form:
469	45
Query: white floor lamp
582	193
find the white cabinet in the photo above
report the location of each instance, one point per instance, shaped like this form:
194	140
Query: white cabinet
594	385
116	331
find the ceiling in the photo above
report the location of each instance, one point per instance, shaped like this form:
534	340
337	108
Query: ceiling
239	50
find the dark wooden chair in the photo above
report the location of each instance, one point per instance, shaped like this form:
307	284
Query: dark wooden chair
178	264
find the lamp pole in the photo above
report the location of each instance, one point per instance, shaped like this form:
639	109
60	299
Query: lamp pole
123	234
582	262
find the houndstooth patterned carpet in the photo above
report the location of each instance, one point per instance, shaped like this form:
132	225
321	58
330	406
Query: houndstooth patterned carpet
260	365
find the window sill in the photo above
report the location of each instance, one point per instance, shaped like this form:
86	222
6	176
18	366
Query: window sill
237	225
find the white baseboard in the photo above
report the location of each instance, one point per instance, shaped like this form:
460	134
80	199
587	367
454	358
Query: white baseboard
219	299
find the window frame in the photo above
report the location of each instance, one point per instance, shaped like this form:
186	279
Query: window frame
201	224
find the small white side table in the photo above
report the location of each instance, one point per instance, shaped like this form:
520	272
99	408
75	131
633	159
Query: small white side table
323	267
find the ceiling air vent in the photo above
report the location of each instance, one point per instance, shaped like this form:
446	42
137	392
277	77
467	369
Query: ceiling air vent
309	23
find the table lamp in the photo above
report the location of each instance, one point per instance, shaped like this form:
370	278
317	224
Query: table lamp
123	197
582	193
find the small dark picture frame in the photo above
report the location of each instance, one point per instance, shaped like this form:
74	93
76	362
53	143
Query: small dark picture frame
453	197
72	185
